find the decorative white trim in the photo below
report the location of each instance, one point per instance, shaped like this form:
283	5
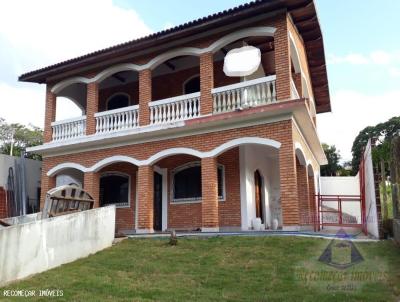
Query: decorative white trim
119	93
244	84
118	110
174	99
61	167
183	51
166	153
70	120
114	159
301	156
121	174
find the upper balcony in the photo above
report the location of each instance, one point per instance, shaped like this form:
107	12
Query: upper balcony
175	87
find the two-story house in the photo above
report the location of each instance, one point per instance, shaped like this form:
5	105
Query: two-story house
175	143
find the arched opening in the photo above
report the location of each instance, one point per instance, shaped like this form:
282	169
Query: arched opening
119	90
170	77
312	192
267	66
71	102
303	189
69	176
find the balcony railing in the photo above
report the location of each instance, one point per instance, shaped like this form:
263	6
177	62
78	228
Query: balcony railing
242	95
68	129
175	109
118	119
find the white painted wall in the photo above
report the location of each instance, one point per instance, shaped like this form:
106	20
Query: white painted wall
265	159
342	185
370	201
39	245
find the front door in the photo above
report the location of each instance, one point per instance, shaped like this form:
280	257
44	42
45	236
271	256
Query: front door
258	194
157	219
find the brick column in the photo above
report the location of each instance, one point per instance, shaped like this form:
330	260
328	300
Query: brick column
50	114
311	194
91	184
47	183
282	59
206	82
92	107
209	191
288	186
302	193
145	199
145	90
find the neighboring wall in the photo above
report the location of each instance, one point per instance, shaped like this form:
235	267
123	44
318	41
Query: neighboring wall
37	246
342	185
370	200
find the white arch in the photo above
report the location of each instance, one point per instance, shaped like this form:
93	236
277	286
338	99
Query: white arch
104	74
184	51
242	141
172	151
63	84
61	167
240	34
294	54
73	100
301	156
114	159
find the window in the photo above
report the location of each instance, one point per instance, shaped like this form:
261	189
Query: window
186	184
114	189
119	100
192	85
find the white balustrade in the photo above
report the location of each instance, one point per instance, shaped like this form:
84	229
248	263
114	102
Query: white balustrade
69	129
175	109
243	95
118	119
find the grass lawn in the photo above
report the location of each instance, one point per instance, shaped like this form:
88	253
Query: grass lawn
222	269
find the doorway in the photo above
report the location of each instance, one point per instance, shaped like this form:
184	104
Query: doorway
259	196
158	193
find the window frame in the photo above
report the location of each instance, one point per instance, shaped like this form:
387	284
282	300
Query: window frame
116	94
121	174
193	199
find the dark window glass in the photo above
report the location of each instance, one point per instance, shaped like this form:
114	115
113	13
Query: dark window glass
187	183
192	86
114	189
118	101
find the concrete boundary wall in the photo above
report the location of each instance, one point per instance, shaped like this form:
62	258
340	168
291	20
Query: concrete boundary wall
39	245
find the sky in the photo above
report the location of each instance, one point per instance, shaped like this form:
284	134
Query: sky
361	38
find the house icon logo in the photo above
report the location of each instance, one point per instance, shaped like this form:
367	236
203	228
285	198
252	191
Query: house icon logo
342	253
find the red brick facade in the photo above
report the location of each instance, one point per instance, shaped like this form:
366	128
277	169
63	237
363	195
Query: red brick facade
209	213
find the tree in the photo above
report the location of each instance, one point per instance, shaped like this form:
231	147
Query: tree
333	156
382	134
20	136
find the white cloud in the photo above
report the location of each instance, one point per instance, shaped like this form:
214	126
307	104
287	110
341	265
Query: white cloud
48	31
378	57
394	72
34	34
352	111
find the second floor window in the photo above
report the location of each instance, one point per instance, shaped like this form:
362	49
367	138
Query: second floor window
118	101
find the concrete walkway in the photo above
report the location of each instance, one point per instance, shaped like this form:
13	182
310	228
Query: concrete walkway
328	234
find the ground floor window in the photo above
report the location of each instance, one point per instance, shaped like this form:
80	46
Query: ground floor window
114	189
186	182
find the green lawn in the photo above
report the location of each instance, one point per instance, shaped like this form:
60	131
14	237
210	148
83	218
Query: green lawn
221	269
